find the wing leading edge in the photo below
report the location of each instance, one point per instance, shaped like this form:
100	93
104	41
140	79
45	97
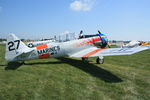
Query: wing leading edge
93	52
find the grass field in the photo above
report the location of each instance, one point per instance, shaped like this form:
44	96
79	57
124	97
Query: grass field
119	78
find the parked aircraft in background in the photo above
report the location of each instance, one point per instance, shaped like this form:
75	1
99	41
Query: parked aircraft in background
134	43
145	44
16	50
131	44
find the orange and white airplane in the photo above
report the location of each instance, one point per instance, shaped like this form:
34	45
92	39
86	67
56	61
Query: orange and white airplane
16	50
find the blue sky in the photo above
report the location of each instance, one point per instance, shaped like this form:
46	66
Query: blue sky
119	19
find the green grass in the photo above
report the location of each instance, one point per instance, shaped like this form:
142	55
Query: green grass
119	78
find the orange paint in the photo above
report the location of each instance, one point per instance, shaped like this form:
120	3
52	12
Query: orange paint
96	39
44	56
91	41
42	46
92	53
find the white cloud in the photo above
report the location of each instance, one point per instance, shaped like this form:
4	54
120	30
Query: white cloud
82	5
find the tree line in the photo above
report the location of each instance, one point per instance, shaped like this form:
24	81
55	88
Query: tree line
2	40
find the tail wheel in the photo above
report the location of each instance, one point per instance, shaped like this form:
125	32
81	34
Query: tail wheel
100	60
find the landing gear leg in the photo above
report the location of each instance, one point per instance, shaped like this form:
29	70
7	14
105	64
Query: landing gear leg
100	60
23	62
84	59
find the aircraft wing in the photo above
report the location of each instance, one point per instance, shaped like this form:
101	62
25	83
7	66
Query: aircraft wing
92	52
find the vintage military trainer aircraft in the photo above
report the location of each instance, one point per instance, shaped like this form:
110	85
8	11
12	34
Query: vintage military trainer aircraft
16	50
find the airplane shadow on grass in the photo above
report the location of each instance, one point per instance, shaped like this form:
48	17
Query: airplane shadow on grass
16	65
92	70
13	66
84	66
3	65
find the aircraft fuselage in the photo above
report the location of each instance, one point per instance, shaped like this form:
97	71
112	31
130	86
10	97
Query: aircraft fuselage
63	49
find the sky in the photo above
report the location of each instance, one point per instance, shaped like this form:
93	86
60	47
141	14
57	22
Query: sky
35	19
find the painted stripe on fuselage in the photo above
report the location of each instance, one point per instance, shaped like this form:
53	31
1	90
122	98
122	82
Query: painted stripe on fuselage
88	41
92	53
43	56
96	39
41	47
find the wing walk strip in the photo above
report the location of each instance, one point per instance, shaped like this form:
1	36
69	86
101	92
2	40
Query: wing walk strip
92	53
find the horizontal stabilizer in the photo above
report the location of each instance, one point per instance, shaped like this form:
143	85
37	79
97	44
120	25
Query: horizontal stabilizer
14	48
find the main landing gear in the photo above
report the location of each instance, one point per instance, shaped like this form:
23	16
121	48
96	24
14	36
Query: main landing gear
99	60
84	59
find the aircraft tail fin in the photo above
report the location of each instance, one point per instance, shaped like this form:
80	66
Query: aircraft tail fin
14	47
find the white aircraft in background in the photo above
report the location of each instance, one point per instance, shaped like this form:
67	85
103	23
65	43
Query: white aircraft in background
131	44
16	50
36	43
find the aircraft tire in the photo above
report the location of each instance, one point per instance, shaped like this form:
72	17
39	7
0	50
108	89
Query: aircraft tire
99	60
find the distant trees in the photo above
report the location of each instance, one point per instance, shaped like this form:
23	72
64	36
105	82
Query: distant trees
2	40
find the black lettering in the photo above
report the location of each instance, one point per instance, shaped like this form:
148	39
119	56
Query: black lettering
44	50
18	42
52	50
40	52
11	46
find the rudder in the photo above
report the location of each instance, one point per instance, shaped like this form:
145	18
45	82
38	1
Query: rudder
14	47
